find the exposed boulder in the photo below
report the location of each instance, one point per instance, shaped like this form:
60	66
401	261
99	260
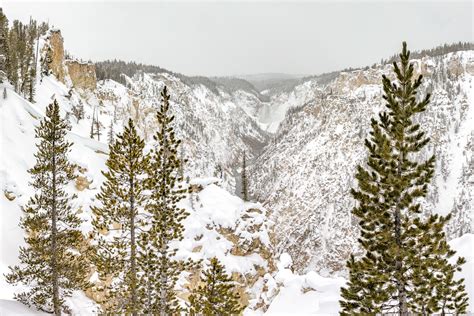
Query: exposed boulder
9	195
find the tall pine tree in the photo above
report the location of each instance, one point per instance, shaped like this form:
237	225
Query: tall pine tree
161	268
51	264
12	58
216	295
245	184
20	58
29	75
3	46
119	220
405	268
111	134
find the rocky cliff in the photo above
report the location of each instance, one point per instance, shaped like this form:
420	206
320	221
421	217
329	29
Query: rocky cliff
55	42
82	74
74	73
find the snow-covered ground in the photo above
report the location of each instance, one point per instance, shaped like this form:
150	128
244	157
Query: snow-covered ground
308	294
311	294
10	307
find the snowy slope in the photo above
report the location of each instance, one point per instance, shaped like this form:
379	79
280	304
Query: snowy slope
220	224
18	119
216	126
216	122
309	294
10	307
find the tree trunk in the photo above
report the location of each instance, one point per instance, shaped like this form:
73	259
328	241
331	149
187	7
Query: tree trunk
402	299
443	313
164	255
133	268
54	267
163	282
148	295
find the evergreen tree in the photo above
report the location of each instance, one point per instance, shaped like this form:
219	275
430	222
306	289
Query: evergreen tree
29	67
183	161
216	295
21	55
12	58
111	133
30	83
91	132
3	46
245	189
436	290
19	52
95	124
78	112
218	172
405	268
161	268
46	61
121	216
51	263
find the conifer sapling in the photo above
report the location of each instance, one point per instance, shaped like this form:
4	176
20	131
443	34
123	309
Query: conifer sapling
216	295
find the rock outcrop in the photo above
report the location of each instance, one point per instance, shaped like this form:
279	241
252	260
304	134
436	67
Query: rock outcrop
56	43
82	74
75	73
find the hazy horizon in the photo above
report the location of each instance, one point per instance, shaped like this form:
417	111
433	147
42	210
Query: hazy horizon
242	38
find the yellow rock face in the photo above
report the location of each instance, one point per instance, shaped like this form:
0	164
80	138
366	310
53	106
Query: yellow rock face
57	63
82	183
82	74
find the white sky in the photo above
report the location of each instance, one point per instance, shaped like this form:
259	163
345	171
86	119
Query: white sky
227	38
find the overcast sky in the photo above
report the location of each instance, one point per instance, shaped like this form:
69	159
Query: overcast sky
211	38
